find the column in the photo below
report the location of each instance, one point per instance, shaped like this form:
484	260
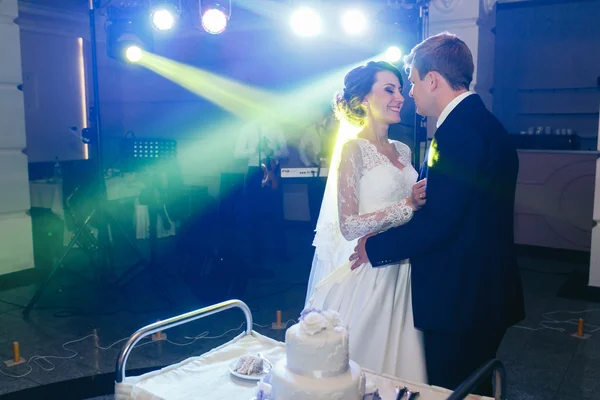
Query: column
16	243
473	21
594	278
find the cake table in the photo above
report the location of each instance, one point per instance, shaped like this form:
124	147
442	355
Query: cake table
208	376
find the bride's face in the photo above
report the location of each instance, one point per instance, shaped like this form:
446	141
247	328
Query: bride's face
385	100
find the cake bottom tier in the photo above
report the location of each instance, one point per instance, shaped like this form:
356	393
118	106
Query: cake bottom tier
286	385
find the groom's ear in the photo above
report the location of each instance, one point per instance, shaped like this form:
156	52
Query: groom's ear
432	80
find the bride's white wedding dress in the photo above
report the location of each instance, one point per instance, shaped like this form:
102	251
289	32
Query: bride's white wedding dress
375	303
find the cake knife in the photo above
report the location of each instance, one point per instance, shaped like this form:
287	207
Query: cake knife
260	355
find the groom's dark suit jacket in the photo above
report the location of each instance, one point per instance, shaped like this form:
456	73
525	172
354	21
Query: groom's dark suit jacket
460	244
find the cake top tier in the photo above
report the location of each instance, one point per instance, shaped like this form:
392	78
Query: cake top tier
312	321
317	345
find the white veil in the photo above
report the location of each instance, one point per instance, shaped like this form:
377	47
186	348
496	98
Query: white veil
331	249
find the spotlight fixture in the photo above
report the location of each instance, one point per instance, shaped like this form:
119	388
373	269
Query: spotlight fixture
354	21
306	21
214	15
128	32
393	54
133	53
164	15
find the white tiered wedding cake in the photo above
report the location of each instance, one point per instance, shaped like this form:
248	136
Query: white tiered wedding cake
317	366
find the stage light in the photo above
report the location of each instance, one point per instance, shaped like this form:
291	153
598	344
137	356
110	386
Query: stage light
393	54
354	22
214	21
214	15
133	53
126	28
163	18
306	22
128	47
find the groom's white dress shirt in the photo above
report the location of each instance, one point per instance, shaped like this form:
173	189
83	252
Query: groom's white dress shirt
448	109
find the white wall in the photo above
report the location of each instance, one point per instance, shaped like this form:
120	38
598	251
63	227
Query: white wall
52	89
473	22
594	277
16	245
555	199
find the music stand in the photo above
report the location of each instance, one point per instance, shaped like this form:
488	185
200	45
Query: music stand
140	152
94	134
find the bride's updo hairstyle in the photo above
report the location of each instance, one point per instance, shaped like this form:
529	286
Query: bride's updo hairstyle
358	83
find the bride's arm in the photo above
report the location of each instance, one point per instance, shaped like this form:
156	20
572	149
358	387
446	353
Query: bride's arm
353	225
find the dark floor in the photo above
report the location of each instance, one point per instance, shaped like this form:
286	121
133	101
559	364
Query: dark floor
543	360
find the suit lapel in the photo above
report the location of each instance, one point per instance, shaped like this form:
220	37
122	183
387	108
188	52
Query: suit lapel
431	156
423	172
431	153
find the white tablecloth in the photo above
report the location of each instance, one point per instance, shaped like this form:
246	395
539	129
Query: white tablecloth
121	187
129	185
47	194
142	223
207	376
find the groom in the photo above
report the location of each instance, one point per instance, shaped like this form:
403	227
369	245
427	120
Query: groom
466	287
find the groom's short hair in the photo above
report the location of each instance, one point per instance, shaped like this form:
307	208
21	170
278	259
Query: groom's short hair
445	54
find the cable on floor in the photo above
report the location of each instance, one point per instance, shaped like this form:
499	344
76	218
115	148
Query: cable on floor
49	366
548	320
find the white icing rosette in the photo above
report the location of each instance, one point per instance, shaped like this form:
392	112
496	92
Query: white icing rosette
334	318
313	323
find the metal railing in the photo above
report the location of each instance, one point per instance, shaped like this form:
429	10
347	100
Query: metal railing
496	369
173	322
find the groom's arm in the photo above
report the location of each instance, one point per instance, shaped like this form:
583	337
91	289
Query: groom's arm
451	181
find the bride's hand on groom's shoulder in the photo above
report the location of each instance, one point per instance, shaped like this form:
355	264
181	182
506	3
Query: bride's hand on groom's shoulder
360	257
419	195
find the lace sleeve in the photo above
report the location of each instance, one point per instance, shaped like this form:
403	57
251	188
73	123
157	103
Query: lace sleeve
404	152
353	225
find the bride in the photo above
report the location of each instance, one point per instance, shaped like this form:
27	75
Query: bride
373	190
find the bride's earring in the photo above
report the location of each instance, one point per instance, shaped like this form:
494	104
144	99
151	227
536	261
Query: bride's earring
365	105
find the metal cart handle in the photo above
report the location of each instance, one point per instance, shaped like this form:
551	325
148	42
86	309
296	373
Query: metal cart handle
496	369
173	322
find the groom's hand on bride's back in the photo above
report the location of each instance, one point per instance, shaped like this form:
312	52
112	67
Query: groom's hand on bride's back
416	200
418	196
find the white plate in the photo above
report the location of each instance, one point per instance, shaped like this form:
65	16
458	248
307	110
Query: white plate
254	377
